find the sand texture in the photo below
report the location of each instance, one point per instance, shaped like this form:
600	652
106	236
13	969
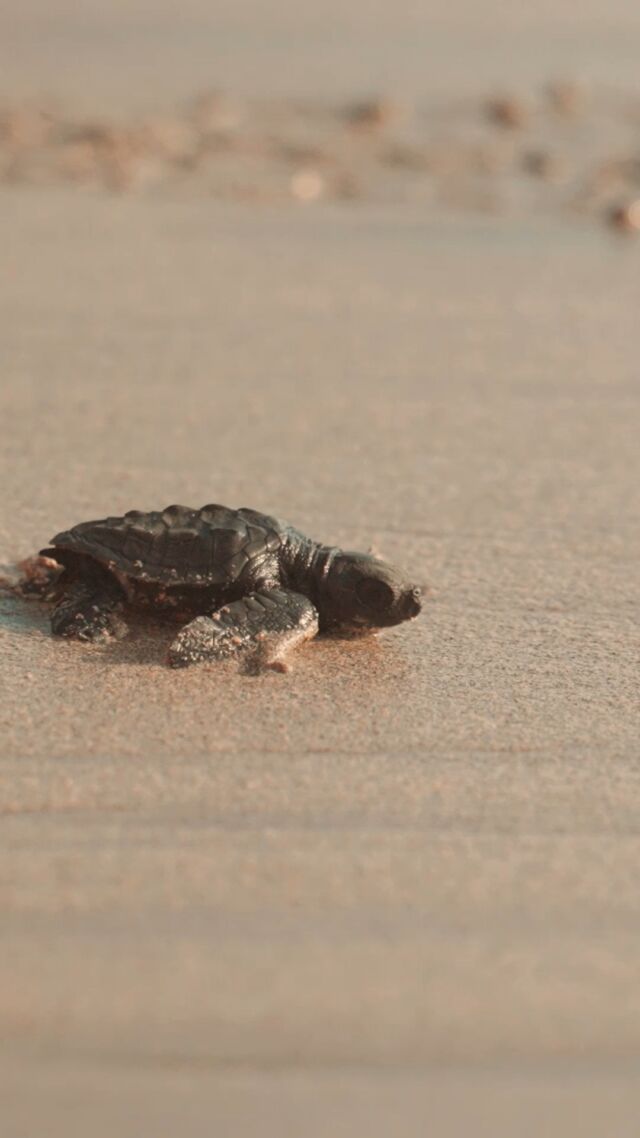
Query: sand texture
408	853
394	892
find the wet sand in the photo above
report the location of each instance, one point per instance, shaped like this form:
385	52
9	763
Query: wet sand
395	890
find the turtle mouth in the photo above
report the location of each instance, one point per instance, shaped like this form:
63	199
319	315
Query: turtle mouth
412	604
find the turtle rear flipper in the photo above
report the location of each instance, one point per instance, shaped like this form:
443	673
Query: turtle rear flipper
262	628
89	611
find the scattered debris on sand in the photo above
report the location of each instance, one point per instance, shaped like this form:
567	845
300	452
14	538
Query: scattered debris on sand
558	150
33	577
626	218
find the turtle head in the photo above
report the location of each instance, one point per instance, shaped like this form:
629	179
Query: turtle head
361	593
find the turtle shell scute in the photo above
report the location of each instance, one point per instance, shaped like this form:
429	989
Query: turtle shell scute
178	545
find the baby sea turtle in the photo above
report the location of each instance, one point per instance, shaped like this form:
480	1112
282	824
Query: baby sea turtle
253	585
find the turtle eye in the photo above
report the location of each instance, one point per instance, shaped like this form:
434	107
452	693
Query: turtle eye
374	594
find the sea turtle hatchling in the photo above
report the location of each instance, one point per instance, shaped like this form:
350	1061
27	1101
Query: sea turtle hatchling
252	585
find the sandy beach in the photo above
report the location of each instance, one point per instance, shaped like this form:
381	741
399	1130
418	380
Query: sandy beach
394	891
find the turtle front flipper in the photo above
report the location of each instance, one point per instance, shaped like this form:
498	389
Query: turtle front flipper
262	628
89	611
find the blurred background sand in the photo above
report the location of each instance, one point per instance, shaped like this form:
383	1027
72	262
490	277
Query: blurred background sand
396	891
147	51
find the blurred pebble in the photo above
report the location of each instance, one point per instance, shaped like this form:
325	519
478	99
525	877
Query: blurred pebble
307	185
509	111
566	97
546	165
626	218
374	114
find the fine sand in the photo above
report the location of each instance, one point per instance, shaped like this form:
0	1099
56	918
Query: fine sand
408	853
394	891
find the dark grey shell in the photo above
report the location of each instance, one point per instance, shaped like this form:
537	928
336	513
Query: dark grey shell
178	546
